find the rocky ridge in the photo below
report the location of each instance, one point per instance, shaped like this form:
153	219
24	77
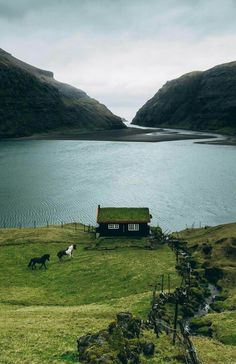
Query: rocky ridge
203	101
32	101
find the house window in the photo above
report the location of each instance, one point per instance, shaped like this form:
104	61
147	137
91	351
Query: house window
113	226
133	227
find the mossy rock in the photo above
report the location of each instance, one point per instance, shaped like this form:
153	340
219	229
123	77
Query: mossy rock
148	349
193	263
127	356
229	249
213	274
194	247
120	343
204	331
199	322
106	359
207	249
217	306
206	264
221	241
198	294
188	310
196	274
221	297
180	358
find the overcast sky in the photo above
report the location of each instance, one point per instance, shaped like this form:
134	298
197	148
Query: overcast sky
119	51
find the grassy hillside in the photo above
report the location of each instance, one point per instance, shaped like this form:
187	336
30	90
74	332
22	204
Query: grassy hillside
222	241
33	102
215	247
203	101
43	312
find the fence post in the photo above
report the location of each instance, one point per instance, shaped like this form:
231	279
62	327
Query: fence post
162	282
177	255
189	274
175	321
189	346
154	294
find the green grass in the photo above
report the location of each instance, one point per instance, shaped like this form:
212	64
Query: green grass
48	334
224	327
123	214
43	312
211	351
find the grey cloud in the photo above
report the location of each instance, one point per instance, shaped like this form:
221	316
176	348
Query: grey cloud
119	51
17	9
7	11
137	17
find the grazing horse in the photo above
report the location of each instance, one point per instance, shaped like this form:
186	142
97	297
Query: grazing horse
67	251
39	260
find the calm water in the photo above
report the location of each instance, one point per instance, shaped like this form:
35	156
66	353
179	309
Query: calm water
63	181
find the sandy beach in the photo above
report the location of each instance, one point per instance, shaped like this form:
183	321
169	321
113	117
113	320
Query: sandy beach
122	135
220	141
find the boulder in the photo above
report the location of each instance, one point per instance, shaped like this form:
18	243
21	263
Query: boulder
213	274
148	349
119	343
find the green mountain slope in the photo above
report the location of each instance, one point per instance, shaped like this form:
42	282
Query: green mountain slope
32	101
43	312
197	101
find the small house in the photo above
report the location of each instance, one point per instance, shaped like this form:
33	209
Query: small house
123	221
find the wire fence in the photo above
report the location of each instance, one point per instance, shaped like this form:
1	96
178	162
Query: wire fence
35	224
177	328
177	331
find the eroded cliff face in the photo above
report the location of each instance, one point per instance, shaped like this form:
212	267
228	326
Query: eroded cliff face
196	100
32	101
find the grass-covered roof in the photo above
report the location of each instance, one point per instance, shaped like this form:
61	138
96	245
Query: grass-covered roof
123	215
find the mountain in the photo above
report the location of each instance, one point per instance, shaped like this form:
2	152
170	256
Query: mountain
204	101
32	101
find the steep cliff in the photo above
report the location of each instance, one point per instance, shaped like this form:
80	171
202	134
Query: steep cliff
32	101
197	100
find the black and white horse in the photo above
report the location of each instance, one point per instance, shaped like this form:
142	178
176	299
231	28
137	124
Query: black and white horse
39	260
67	251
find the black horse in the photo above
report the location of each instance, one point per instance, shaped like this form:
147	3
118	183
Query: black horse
39	260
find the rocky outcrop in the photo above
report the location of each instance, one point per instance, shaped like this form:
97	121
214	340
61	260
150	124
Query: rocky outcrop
32	101
120	343
204	101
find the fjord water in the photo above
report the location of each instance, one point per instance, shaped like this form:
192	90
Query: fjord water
63	181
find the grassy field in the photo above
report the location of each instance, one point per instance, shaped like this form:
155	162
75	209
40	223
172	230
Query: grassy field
42	312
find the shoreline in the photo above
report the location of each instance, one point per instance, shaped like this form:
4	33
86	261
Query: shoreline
121	135
223	140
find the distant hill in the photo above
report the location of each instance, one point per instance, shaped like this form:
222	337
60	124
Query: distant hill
32	101
198	101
